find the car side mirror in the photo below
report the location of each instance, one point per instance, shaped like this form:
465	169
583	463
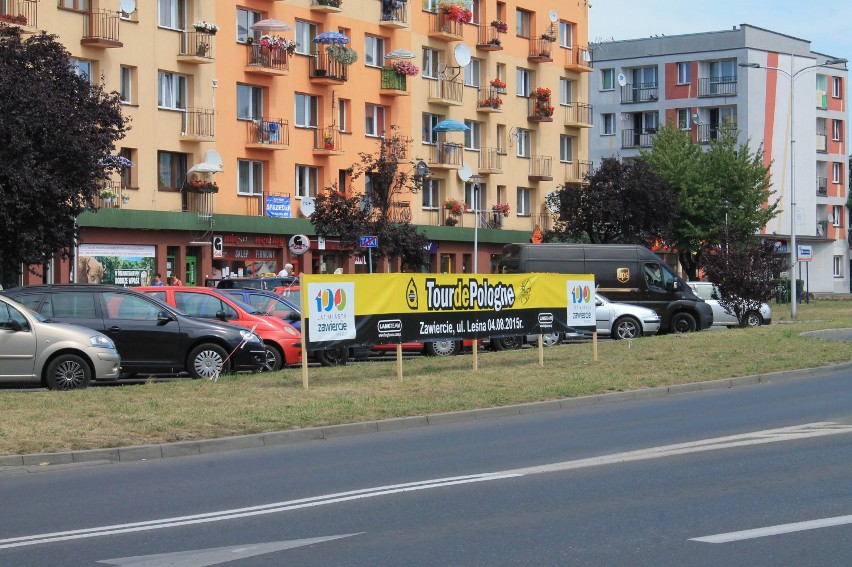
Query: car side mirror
163	317
221	315
13	325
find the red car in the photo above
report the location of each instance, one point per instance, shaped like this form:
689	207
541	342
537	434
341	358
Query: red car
283	342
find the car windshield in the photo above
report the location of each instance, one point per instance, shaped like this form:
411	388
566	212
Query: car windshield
250	309
34	314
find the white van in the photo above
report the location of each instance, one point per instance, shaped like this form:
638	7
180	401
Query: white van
55	355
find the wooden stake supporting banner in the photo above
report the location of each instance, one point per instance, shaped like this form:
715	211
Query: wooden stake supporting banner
475	353
399	361
304	355
541	350
595	346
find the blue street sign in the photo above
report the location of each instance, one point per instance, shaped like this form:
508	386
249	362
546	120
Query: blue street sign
368	242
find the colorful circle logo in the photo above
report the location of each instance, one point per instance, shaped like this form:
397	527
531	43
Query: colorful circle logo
328	299
581	294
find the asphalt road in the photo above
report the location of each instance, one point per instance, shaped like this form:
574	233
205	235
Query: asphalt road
752	475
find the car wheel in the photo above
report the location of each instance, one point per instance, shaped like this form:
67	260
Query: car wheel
274	359
682	323
551	339
508	343
67	372
442	348
753	319
332	356
626	328
207	361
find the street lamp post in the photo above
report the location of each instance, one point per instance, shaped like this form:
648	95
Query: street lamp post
475	179
792	76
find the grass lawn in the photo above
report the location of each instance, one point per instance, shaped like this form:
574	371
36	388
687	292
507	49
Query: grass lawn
158	412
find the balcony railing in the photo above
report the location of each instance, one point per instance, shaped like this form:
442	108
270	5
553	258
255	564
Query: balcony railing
394	14
579	114
822	186
490	99
541	168
198	124
201	203
327	70
442	26
540	49
328	140
399	211
577	170
488	38
195	44
446	91
446	155
23	13
709	132
717	86
632	138
100	29
273	134
327	5
540	109
112	196
490	161
541	220
267	60
639	92
822	143
578	58
392	81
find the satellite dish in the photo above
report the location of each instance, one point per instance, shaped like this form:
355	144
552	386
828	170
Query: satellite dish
551	201
462	55
695	118
553	16
127	6
622	80
465	172
308	206
365	203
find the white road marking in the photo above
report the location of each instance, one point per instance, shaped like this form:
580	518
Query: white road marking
216	555
775	530
746	439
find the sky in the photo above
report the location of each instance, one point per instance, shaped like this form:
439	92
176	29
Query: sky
826	24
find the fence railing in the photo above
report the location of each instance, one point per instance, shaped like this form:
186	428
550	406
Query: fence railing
633	138
274	132
717	86
196	44
199	122
639	92
268	57
101	24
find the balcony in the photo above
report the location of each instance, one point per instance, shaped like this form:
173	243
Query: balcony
447	92
445	155
393	84
198	125
112	196
576	171
326	6
490	161
822	143
100	29
710	132
394	14
21	13
578	115
539	107
444	27
578	59
541	49
717	86
489	100
327	71
822	187
399	211
822	228
267	60
327	141
542	221
488	38
541	168
268	134
200	203
196	48
638	138
639	92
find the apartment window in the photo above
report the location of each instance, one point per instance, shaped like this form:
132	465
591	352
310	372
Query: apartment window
79	5
650	121
836	130
430	5
473	73
431	194
245	19
171	170
431	63
501	139
608	121
607	79
171	91
683	118
838	266
566	91
524	203
475	10
836	215
171	14
429	136
723	71
343	114
522	23
566	148
375	120
566	34
374	51
306	181
126	84
523	78
524	143
476	199
249	102
249	177
836	172
305	34
306	111
473	137
128	173
837	87
82	68
684	73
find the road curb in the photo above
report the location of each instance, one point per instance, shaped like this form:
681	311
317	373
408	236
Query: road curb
39	462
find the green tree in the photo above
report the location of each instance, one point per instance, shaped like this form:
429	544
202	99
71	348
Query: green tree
56	132
727	182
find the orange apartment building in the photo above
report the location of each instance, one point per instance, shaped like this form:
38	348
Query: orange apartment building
231	136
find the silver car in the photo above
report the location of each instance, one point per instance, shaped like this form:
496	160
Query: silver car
55	355
709	292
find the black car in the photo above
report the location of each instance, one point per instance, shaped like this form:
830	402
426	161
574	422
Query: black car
151	337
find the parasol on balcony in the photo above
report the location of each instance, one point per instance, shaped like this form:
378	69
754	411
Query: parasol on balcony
332	38
400	54
271	25
450	126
